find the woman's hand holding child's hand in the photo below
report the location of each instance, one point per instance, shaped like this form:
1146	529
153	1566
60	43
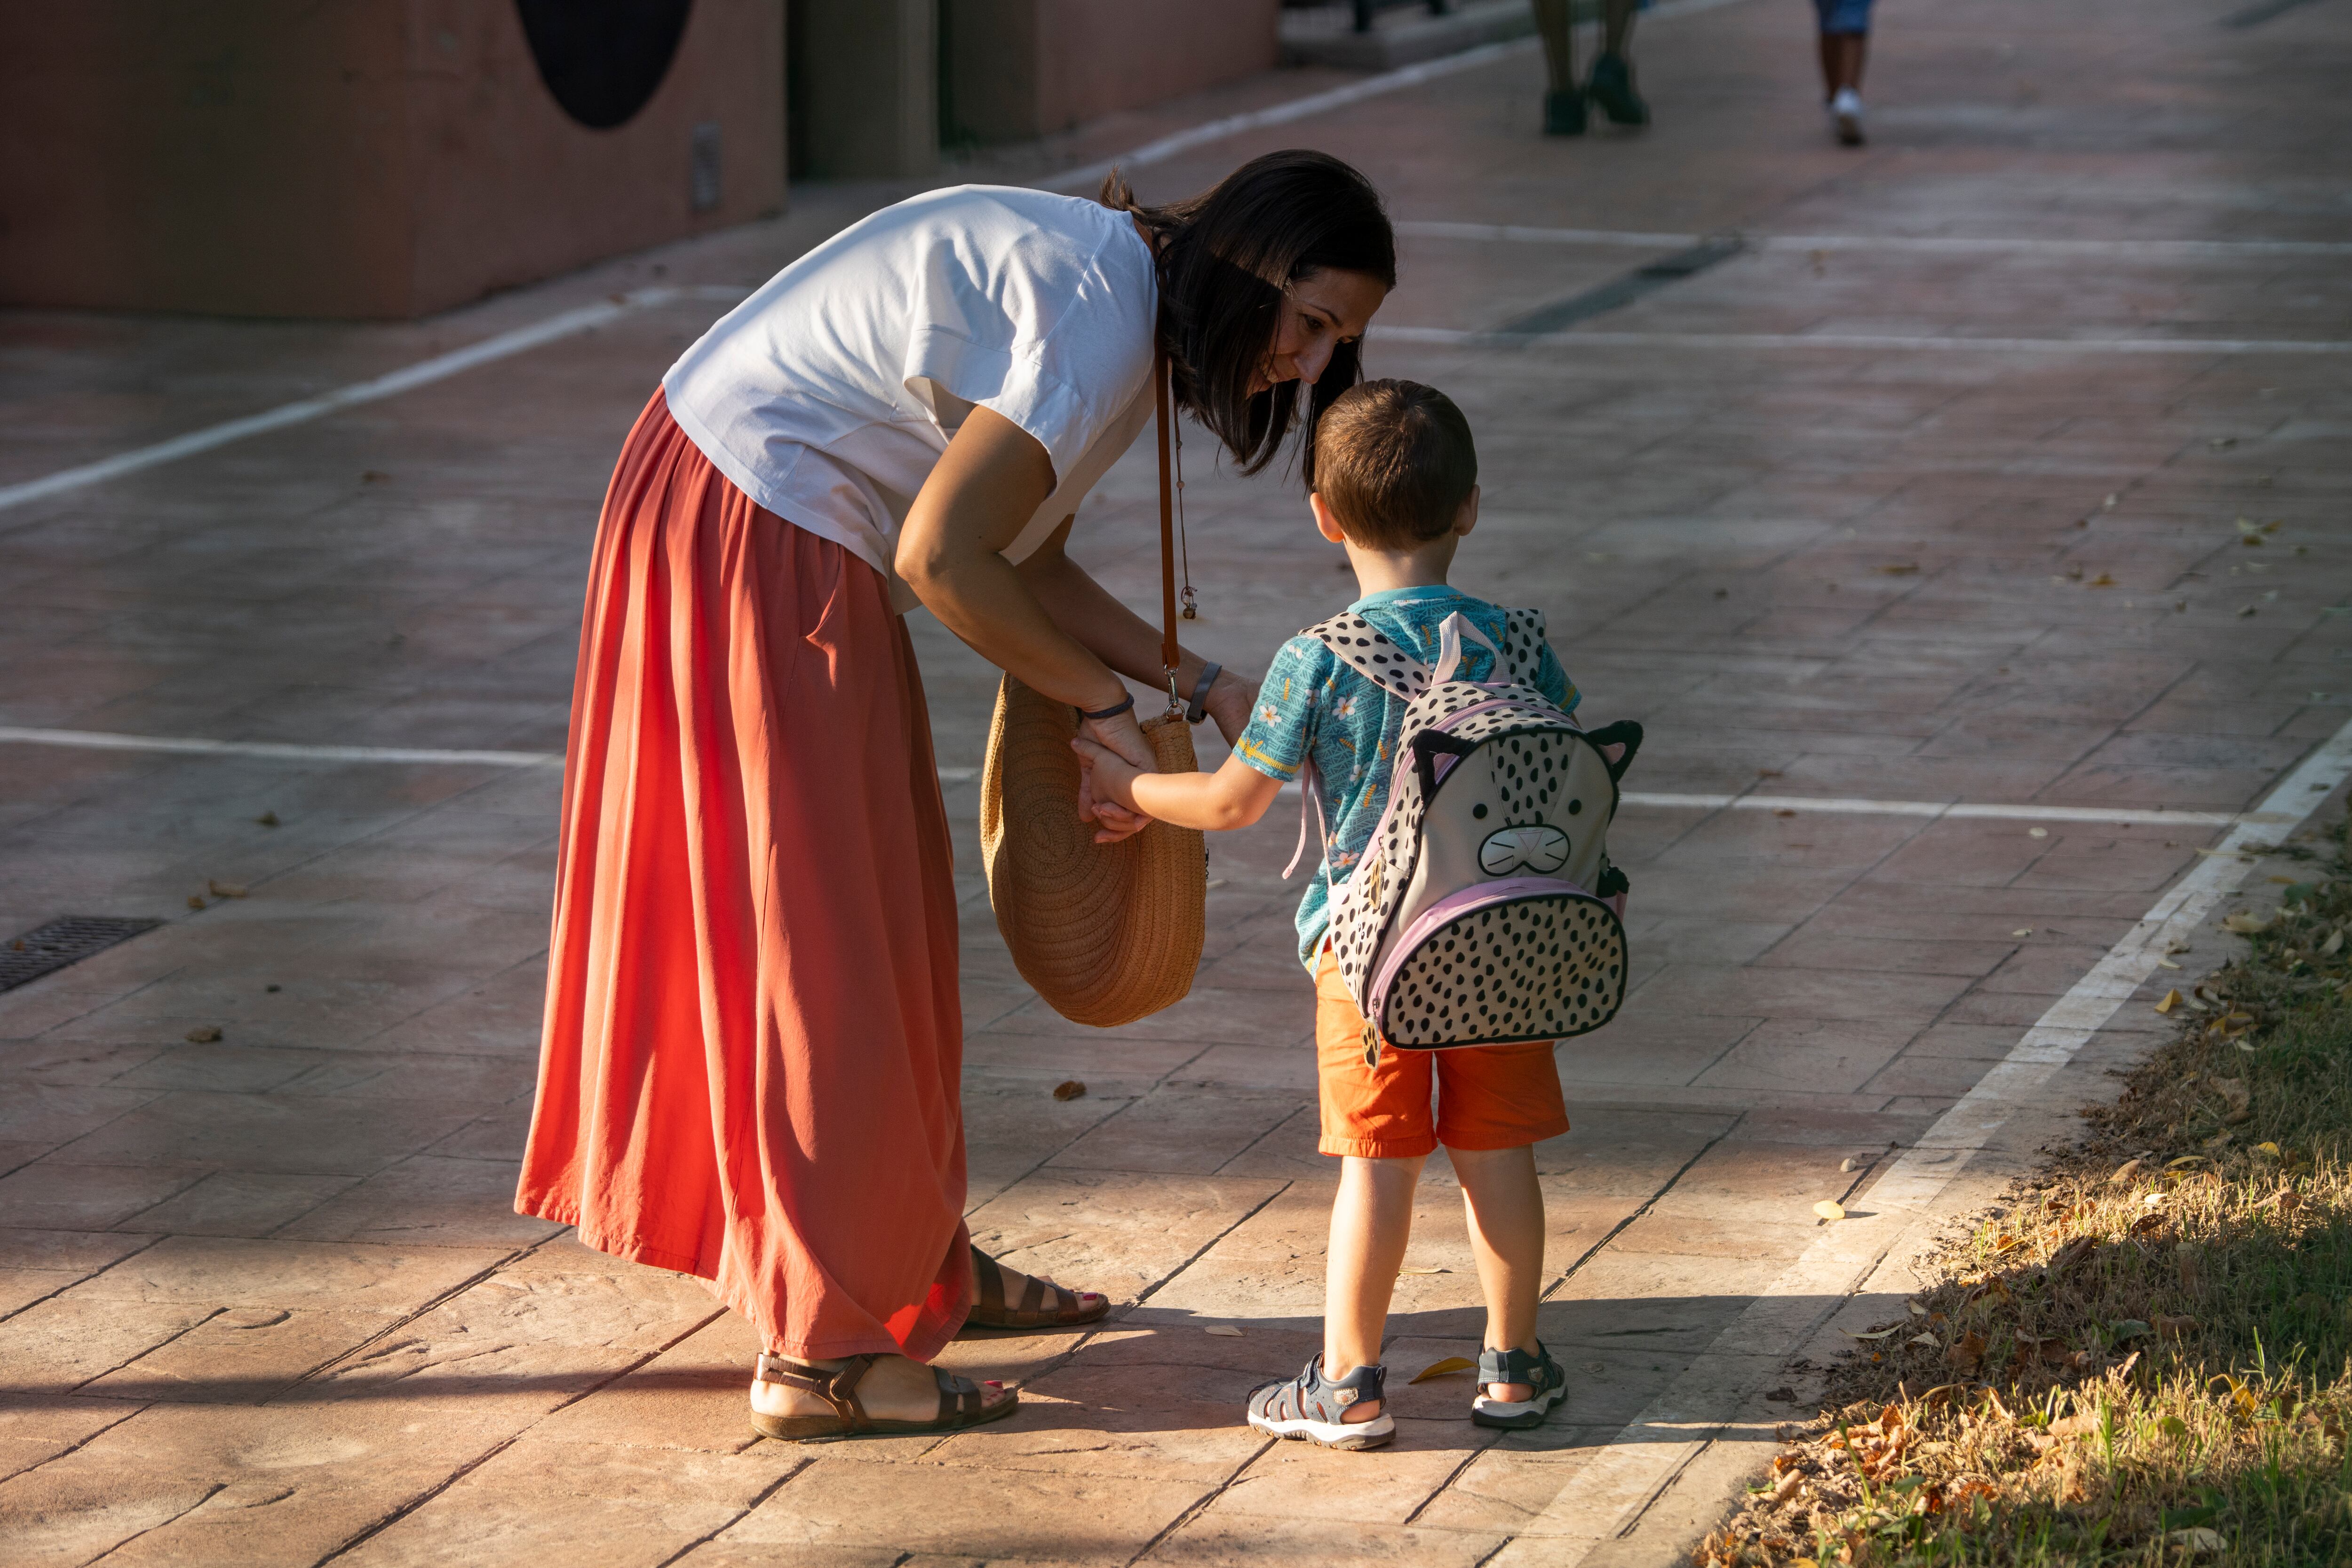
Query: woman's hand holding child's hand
1106	777
1113	812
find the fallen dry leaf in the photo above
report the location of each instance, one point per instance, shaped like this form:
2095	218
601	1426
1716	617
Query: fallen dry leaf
204	1035
2103	580
2332	945
2197	1538
1829	1209
226	889
1925	1342
1223	1330
2125	1171
2037	833
1419	1268
1446	1368
2173	1328
1069	1089
2270	1149
195	902
2171	1000
1967	1354
2073	1253
267	819
2234	1093
1873	1334
1900	568
2247	924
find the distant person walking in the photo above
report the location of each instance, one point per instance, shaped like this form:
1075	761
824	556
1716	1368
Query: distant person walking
1845	38
752	1060
1612	85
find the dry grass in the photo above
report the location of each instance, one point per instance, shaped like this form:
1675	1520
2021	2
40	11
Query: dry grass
2142	1356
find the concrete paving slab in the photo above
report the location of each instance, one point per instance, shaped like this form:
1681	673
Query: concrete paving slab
1825	572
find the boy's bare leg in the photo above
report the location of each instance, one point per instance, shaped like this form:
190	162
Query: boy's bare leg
1507	1235
1371	1220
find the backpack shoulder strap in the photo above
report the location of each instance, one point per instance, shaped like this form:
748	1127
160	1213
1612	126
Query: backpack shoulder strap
1368	650
1523	644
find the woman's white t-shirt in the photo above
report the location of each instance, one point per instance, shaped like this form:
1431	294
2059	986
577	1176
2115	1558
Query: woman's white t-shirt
828	395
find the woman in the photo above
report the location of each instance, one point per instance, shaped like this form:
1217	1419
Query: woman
753	1055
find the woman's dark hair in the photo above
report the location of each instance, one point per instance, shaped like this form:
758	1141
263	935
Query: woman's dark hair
1226	258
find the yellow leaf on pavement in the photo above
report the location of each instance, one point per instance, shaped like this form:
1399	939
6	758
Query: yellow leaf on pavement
1445	1368
1828	1209
2171	1000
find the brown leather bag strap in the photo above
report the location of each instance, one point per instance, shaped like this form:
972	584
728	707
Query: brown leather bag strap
1171	656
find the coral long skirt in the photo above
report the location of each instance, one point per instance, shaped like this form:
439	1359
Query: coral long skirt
751	1064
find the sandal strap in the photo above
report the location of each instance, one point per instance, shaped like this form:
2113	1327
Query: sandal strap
956	1404
837	1388
1538	1371
1311	1396
988	1283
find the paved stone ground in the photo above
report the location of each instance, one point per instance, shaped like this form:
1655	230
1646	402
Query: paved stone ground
265	1299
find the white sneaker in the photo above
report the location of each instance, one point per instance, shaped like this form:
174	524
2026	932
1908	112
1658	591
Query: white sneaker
1845	117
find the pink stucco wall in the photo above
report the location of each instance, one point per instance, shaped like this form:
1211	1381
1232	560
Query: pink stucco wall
1029	68
369	158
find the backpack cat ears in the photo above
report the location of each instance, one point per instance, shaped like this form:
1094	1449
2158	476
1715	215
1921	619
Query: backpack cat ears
1368	650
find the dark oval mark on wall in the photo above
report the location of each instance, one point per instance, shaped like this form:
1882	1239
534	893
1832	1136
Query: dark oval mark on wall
602	58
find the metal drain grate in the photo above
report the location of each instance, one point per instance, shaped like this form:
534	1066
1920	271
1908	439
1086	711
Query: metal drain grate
62	942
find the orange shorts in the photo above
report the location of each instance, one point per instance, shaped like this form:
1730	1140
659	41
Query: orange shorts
1488	1097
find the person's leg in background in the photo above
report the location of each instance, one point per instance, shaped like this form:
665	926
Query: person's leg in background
1844	42
1563	100
1613	74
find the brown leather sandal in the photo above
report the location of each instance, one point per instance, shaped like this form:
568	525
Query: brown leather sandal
1069	1308
959	1402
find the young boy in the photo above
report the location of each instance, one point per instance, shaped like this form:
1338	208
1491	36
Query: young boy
1396	485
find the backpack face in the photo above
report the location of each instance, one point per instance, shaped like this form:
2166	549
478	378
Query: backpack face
1484	910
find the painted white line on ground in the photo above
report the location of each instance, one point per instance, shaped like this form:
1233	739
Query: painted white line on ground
505	345
1087	177
1917	245
1607	1497
1450	337
104	740
1848	806
99	741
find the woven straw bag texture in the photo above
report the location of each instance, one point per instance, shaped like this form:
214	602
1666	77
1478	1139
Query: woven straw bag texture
1106	933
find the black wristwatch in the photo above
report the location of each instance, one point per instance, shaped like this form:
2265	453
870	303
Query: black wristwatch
1197	710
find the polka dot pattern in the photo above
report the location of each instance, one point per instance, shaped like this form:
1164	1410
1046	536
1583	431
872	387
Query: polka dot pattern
1540	968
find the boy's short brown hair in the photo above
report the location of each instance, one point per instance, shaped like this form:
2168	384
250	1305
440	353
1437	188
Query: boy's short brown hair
1393	460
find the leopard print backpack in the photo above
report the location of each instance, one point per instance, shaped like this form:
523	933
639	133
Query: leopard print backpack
1484	909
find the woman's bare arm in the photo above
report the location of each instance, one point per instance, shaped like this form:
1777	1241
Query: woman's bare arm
1123	639
987	486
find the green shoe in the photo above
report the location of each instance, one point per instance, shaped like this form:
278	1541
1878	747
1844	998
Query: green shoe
1564	113
1612	87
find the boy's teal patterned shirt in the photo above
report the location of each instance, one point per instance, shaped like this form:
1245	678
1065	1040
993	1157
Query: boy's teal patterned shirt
1312	704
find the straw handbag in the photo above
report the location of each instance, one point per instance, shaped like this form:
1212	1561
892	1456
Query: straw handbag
1106	933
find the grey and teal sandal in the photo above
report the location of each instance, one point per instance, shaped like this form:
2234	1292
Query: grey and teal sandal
1539	1372
1314	1407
